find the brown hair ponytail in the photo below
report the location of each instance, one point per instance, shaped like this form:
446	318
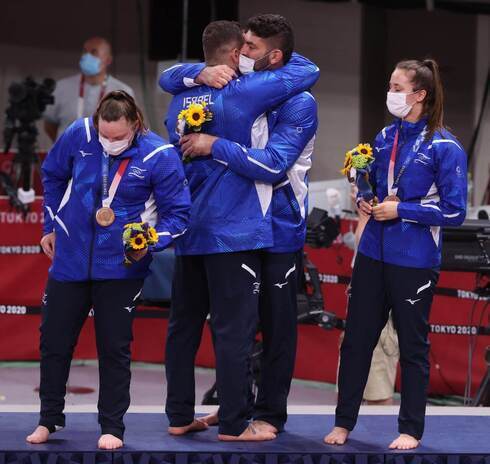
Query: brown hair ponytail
116	105
425	76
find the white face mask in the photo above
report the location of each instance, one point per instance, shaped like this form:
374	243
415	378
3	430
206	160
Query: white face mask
114	148
397	105
246	64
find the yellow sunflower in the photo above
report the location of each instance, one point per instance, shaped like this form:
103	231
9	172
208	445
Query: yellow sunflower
365	149
195	115
138	242
152	235
347	163
182	115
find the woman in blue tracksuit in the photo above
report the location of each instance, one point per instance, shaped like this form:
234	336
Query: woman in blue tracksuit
419	179
103	172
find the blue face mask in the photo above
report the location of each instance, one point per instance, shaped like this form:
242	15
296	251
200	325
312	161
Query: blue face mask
89	64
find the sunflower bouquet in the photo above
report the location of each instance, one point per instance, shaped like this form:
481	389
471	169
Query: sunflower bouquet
357	166
137	236
193	117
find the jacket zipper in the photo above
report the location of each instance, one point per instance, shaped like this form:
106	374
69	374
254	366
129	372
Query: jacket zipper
98	200
401	143
92	240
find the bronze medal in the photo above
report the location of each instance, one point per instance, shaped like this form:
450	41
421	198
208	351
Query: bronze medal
392	198
105	216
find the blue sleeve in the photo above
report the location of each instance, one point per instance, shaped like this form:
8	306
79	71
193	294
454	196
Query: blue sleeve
264	90
296	126
172	198
451	183
180	77
56	172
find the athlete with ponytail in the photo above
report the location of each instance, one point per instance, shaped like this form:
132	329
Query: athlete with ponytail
419	179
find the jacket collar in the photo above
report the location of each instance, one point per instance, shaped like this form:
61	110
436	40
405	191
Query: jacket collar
411	128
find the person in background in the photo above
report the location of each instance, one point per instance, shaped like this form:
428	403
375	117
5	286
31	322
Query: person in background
419	177
380	385
78	96
103	173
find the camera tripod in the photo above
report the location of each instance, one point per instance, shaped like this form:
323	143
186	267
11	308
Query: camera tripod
482	396
27	102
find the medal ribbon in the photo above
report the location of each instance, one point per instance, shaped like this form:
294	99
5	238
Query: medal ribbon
393	184
391	166
109	193
81	92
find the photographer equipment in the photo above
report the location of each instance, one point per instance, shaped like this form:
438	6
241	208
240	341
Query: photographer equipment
467	248
27	102
482	397
321	229
311	303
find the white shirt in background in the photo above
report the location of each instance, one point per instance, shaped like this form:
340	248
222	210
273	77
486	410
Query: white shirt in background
66	95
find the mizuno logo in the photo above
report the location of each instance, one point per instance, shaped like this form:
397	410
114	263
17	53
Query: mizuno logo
280	285
378	149
84	153
129	308
288	273
412	302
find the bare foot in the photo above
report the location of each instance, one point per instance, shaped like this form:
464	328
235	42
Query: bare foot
249	434
40	435
196	425
109	442
404	442
263	426
338	436
210	419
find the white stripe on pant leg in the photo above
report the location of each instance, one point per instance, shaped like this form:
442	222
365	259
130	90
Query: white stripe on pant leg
290	271
424	287
249	270
138	294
